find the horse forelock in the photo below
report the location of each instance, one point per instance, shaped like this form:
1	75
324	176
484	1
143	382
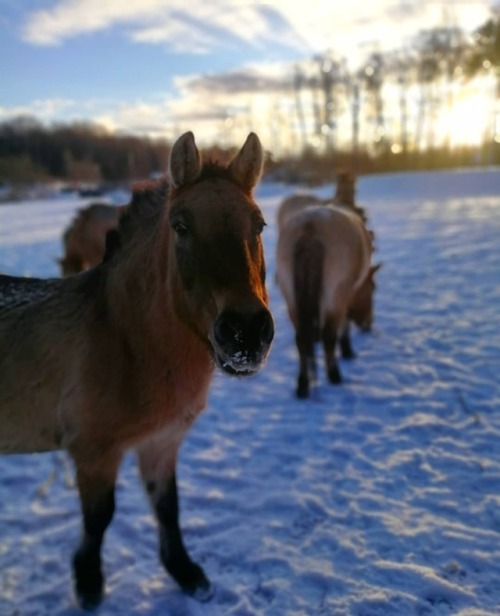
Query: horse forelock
211	170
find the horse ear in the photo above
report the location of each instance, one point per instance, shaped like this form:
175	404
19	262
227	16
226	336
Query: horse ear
246	167
184	164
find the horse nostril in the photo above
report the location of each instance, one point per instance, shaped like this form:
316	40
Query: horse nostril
266	326
227	326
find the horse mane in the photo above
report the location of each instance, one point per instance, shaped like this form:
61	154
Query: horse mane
213	169
144	209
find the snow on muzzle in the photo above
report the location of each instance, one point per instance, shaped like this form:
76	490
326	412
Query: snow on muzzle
242	341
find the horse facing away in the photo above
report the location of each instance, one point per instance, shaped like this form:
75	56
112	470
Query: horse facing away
345	191
325	274
121	356
84	240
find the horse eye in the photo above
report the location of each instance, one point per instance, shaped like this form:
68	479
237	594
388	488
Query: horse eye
259	226
180	228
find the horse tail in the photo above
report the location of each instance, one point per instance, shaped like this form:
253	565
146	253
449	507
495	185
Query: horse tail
308	266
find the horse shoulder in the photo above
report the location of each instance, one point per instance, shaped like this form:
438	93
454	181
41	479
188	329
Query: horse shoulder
132	392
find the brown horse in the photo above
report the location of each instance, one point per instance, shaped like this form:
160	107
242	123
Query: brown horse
84	240
324	273
122	355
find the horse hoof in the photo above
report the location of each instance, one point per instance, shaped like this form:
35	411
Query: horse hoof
203	594
302	393
334	376
302	390
89	601
88	580
193	581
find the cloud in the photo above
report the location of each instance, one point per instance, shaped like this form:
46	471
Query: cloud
222	25
46	110
70	18
246	80
201	27
205	26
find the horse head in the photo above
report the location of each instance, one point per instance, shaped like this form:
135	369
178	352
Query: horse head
361	307
216	260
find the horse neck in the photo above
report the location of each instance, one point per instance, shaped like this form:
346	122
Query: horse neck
140	299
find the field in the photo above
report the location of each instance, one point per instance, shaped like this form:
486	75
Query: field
379	497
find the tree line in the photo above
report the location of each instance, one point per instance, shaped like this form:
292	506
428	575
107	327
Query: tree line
424	80
79	152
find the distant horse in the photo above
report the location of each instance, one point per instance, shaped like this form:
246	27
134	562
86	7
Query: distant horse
345	191
84	240
325	275
122	355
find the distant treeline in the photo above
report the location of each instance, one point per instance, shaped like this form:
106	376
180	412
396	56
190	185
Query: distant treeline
77	152
314	167
86	153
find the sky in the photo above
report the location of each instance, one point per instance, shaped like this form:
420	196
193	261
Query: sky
159	67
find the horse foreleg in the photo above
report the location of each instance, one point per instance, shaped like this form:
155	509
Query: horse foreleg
345	342
329	339
188	574
96	485
161	485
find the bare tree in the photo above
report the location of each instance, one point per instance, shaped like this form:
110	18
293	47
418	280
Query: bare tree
298	85
372	76
483	57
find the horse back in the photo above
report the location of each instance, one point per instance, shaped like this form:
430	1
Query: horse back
39	325
85	238
348	249
17	292
293	204
345	254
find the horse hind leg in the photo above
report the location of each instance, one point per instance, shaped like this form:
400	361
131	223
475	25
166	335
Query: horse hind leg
307	282
159	479
96	485
305	346
346	349
329	340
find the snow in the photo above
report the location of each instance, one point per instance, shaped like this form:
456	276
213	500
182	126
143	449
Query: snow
379	497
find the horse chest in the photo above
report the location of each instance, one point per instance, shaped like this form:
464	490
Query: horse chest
175	398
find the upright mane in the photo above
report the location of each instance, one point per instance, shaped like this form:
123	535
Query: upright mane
143	211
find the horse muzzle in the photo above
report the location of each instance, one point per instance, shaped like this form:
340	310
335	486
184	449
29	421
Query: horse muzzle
242	340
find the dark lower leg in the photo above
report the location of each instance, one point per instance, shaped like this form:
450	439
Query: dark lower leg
190	576
329	338
305	352
345	344
97	508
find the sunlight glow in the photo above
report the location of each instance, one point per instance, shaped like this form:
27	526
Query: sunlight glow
469	119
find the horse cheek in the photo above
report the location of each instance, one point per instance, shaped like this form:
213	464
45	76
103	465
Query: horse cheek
196	290
186	266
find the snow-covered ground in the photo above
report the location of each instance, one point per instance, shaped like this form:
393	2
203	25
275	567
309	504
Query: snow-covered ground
380	497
